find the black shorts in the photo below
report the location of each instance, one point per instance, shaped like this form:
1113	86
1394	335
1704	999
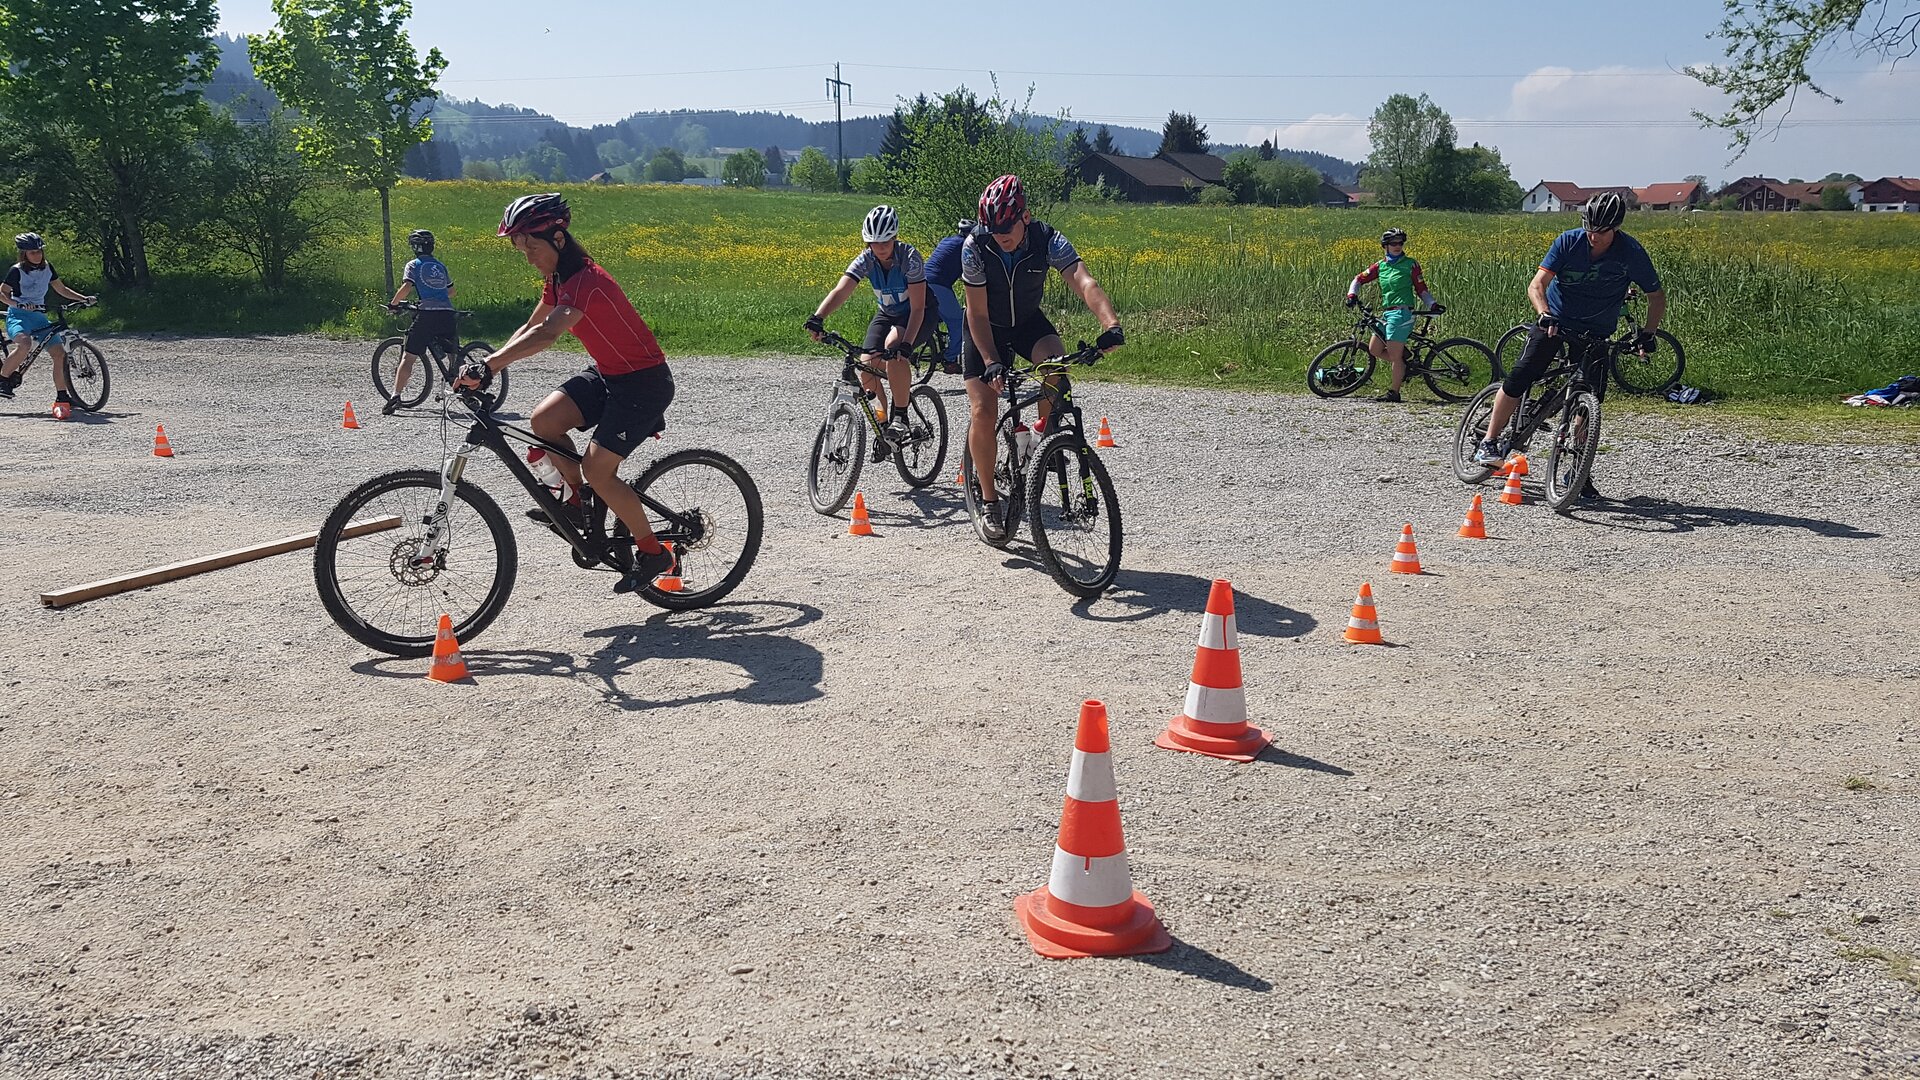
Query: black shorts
1542	350
1008	341
428	327
884	324
623	410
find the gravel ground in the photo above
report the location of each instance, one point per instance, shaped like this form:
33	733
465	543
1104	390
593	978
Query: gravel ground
1631	795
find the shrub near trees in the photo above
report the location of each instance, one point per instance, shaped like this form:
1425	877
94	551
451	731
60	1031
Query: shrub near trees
1415	161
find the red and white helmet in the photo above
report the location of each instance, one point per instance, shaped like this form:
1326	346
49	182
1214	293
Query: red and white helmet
535	214
1003	204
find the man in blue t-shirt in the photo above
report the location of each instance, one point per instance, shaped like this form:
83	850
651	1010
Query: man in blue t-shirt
1578	293
943	270
428	277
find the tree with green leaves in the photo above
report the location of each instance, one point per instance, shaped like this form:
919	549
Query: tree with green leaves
1769	44
1834	197
776	162
1267	150
349	69
1182	134
745	169
964	146
1074	154
1474	178
1404	131
1103	141
265	203
668	166
814	171
102	108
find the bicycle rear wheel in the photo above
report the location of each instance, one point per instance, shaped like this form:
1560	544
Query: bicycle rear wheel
839	451
1458	368
87	375
1467	436
387	589
1575	443
919	458
1506	352
713	524
387	358
1075	514
1340	369
1009	487
1653	374
928	358
497	386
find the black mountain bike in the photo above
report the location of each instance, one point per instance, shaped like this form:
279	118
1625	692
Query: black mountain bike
931	356
1636	372
1061	485
445	353
407	546
1562	401
86	367
840	449
1454	369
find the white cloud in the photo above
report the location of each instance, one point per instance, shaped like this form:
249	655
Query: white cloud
1343	135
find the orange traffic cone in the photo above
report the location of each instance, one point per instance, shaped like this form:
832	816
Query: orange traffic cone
448	664
1106	435
671	581
1363	625
861	526
349	421
1088	907
161	447
1406	558
1513	494
1475	527
62	410
1214	720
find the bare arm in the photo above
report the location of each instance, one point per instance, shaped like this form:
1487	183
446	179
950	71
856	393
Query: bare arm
1537	290
61	288
1091	294
6	294
916	309
400	293
546	326
1656	308
979	327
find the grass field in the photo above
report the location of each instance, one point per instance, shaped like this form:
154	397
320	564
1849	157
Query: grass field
1771	307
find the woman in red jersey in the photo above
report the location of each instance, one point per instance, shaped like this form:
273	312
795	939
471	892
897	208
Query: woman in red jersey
623	396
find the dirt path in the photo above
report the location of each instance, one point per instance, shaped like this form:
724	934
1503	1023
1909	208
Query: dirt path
1634	794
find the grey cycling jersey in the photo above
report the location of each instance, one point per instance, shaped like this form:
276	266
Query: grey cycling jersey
890	282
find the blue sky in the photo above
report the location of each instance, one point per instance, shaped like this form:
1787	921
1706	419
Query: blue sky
1565	92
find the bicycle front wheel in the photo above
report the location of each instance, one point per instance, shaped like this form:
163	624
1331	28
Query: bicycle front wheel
1651	374
705	507
1466	437
1458	368
497	386
920	456
388	357
388	564
1075	514
1570	458
1340	369
839	450
87	375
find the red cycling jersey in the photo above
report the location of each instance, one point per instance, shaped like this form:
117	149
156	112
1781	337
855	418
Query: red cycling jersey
614	334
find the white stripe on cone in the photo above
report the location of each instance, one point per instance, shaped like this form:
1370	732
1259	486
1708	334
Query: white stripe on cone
1218	632
1215	706
1363	624
1090	882
1090	778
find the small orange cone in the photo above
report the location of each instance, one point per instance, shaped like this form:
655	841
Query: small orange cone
1513	494
448	664
62	411
1088	907
1106	435
861	526
1363	625
671	580
1475	527
1406	558
161	447
350	422
1214	720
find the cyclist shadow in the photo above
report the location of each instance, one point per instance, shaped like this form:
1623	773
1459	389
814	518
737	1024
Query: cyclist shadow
754	636
939	506
1143	594
78	417
1644	513
1186	958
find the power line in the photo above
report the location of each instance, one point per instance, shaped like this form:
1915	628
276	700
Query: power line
630	75
1399	76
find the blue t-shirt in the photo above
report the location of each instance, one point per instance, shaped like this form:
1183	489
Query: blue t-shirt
943	266
890	282
1587	293
431	280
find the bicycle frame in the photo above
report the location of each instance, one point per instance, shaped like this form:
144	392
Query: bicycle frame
1582	353
848	384
45	338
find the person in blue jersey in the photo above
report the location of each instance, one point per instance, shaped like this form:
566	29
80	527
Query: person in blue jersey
898	277
1578	292
24	293
943	270
427	277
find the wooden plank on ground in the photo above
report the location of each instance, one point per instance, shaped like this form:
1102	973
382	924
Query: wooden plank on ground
189	567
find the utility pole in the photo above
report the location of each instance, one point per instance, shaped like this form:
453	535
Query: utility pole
834	86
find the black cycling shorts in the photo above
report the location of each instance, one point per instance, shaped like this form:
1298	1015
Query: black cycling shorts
884	324
428	327
622	410
1541	351
1008	341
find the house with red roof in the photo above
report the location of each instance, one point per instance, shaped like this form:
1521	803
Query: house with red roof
1677	196
1553	196
1890	195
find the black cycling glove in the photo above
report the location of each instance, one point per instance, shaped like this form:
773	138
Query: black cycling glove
816	324
1111	338
1547	321
1352	300
1436	309
1645	342
994	373
477	370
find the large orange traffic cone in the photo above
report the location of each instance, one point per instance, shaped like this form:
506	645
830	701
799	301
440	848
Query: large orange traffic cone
1406	558
1214	720
1475	527
1088	907
1106	435
862	525
1513	494
349	421
1363	625
448	664
161	447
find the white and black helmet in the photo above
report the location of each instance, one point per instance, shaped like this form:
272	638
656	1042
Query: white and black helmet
881	224
1604	211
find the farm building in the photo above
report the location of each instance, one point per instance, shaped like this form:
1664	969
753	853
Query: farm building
1889	195
1154	179
1679	196
1553	196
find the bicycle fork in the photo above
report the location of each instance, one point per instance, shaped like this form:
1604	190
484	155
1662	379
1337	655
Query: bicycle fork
433	546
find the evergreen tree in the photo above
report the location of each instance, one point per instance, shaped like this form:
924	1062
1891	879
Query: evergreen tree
1182	134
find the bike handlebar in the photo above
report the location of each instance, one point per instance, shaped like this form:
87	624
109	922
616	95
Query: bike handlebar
410	305
855	352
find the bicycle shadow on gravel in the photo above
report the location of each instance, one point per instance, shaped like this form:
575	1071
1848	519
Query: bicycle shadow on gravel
1186	958
1144	594
940	506
1643	513
78	417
